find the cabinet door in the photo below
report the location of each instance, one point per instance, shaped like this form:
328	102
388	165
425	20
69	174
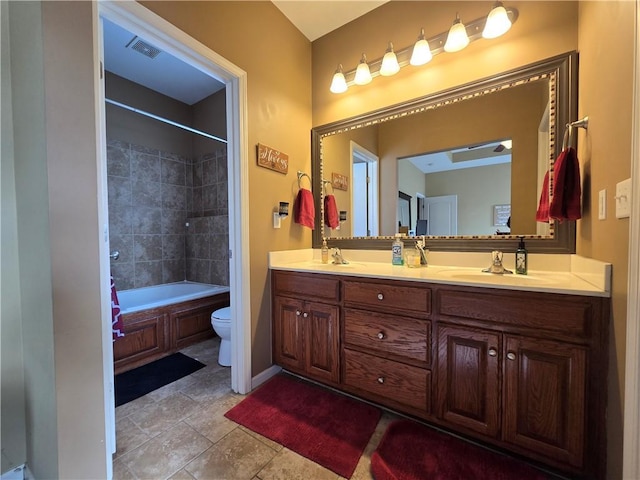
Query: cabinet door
468	369
322	341
544	397
288	340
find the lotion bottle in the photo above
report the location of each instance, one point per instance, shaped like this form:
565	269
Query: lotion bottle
324	251
521	258
397	251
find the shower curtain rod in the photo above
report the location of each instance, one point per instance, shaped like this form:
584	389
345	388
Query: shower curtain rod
165	120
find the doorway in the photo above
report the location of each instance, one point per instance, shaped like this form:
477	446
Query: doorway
364	199
136	19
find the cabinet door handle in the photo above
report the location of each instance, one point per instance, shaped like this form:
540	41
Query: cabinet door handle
305	314
493	352
380	296
298	313
511	356
381	380
381	335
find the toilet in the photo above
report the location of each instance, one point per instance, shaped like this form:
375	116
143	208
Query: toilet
221	323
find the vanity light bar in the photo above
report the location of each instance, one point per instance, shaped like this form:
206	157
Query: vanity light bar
436	43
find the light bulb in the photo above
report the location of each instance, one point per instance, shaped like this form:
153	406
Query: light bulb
457	38
498	22
421	51
339	83
363	74
389	63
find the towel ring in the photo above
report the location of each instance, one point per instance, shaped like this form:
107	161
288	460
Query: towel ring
568	130
325	183
300	175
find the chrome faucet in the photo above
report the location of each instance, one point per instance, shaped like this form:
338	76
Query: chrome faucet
421	247
496	264
338	258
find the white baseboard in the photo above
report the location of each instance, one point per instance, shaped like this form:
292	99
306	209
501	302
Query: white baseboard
263	376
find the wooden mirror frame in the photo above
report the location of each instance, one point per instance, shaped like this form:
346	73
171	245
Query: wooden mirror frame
562	67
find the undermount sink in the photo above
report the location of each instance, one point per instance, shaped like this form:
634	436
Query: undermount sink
339	265
480	276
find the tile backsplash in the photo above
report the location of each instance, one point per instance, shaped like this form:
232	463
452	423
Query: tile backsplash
153	196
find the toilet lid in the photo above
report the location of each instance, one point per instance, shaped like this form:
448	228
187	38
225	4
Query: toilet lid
222	314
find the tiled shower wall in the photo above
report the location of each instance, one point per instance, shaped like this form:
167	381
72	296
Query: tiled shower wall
151	199
208	231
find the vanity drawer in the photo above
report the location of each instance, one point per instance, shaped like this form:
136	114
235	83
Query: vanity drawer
395	381
389	296
563	314
388	335
305	285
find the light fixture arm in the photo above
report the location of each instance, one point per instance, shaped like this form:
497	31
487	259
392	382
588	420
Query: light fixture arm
474	32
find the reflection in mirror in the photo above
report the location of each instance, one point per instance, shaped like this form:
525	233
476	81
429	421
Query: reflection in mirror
469	125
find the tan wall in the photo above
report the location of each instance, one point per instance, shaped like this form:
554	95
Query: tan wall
478	190
336	151
256	37
603	34
606	39
210	116
543	29
70	73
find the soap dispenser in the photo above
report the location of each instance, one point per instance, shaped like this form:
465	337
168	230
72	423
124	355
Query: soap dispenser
521	258
324	251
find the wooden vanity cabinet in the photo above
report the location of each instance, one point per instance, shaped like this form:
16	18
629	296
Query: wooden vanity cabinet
387	343
306	332
522	371
527	370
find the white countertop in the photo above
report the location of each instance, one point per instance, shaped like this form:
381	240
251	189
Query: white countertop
553	273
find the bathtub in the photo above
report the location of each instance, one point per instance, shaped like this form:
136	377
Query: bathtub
145	298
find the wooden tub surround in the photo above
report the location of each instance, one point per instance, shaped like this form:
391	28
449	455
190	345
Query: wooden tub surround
523	371
157	332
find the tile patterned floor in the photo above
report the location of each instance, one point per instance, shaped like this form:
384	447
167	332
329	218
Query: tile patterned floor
179	432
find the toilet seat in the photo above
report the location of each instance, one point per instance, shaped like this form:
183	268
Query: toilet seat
222	315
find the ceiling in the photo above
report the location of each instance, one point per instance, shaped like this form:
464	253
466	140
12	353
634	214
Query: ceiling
176	79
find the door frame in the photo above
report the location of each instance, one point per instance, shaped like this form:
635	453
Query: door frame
631	435
373	197
169	38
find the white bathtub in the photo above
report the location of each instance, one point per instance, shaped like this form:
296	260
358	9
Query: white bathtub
138	299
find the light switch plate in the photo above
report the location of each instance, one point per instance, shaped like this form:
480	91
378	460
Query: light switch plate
602	204
623	198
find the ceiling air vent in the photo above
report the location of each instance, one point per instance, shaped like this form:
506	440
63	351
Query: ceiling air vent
143	47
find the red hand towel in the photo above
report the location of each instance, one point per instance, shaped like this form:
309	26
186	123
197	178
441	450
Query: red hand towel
117	326
565	202
304	211
331	219
542	215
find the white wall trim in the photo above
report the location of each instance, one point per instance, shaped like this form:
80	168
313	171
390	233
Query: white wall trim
265	375
169	38
631	445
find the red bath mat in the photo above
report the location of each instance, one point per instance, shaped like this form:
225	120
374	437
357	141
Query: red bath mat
410	451
328	428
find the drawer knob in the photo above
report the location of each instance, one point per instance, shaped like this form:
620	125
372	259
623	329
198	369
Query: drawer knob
305	314
493	352
381	380
380	296
381	335
298	313
511	356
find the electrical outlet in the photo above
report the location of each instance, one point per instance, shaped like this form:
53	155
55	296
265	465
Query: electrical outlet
276	220
623	199
602	204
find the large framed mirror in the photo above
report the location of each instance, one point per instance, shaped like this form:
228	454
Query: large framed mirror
469	160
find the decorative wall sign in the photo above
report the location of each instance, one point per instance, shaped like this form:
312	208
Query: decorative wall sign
501	214
341	182
273	159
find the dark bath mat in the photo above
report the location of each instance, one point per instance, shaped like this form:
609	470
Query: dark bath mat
147	378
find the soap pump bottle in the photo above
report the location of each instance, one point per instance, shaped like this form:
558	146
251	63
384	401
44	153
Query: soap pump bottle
324	251
397	251
521	258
